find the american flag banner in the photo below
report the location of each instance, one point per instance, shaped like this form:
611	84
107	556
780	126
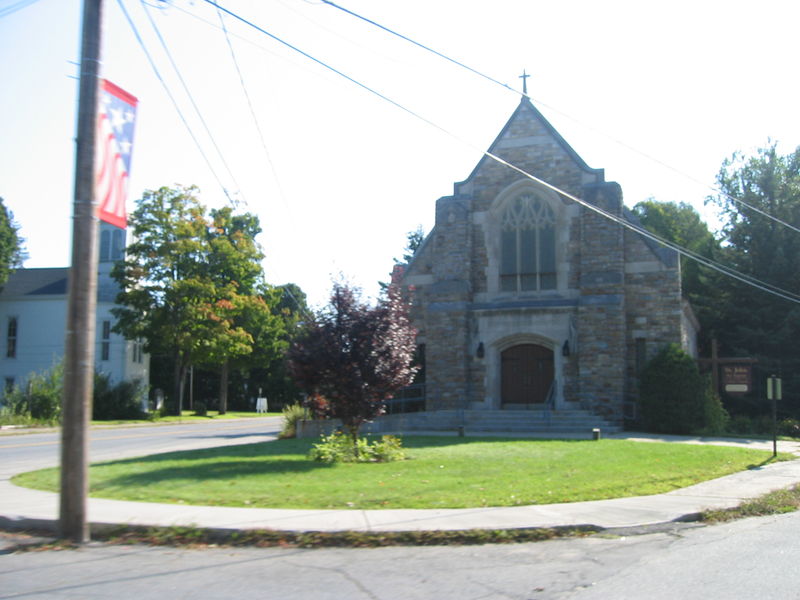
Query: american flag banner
115	120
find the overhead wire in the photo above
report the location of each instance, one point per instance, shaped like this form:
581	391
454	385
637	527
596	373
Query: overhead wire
171	97
12	8
710	263
538	102
252	110
197	110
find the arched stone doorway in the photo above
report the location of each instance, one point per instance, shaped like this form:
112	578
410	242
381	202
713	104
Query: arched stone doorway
527	374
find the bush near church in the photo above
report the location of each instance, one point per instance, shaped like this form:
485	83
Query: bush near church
675	398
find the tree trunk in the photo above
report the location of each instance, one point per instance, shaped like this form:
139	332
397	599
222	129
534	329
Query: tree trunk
178	383
223	388
354	436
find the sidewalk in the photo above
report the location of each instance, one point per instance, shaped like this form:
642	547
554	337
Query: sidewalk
21	508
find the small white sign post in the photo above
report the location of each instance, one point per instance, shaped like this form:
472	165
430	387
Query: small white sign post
774	393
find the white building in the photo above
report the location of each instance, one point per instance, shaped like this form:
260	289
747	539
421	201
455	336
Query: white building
33	313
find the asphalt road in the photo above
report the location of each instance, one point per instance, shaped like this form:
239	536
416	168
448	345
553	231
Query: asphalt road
37	450
752	558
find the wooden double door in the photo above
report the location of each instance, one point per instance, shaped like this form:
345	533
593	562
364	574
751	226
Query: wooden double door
526	373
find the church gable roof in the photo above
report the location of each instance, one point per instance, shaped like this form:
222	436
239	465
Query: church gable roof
527	127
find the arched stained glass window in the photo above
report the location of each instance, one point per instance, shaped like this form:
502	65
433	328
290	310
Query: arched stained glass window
528	245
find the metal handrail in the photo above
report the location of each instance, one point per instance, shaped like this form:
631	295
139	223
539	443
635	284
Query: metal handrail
549	403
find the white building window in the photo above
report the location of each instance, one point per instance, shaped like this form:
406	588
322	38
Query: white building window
105	343
137	351
11	337
112	244
527	245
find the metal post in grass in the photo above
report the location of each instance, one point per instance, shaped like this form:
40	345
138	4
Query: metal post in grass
774	393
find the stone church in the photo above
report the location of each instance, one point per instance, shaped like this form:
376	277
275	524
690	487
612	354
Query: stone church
525	299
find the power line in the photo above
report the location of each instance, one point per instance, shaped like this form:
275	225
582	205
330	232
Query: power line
194	105
8	10
252	110
170	96
728	271
507	87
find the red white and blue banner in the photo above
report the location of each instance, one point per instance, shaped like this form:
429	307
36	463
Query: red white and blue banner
115	121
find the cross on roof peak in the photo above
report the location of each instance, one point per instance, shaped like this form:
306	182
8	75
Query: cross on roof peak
524	78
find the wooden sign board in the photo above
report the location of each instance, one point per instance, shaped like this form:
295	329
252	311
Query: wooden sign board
737	379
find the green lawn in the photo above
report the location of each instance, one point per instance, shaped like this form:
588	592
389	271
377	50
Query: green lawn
442	472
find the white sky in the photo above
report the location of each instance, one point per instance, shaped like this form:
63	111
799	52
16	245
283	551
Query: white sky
684	82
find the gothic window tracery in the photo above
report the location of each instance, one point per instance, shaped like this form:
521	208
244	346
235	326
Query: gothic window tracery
527	238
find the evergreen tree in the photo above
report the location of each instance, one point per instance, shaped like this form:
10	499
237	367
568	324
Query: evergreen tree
12	252
757	323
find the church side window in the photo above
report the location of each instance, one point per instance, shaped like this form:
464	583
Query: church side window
117	244
528	245
112	245
11	338
105	344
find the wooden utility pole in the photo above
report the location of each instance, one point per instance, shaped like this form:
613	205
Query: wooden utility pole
82	304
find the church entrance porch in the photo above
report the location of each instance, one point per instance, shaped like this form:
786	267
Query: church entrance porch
527	375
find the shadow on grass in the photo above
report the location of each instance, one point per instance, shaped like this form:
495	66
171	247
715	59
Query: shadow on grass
219	470
435	441
301	447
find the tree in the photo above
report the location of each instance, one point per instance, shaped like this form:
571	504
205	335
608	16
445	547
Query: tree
356	355
243	330
162	297
414	240
273	376
192	287
12	252
757	323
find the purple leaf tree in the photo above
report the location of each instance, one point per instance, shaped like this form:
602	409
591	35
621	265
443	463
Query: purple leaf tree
356	355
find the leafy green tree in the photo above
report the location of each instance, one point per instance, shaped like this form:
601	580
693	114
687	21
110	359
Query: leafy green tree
164	297
12	252
355	355
243	331
273	377
757	323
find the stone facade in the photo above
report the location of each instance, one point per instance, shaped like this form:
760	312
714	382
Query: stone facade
525	298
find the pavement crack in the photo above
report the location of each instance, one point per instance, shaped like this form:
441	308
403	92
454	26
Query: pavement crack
342	573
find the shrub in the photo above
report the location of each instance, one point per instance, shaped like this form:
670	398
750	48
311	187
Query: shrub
789	427
676	398
741	424
200	409
388	449
291	415
40	401
339	447
122	400
716	417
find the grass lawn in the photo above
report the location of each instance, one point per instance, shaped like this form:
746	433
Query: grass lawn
441	472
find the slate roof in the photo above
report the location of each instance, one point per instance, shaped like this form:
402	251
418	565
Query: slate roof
37	282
